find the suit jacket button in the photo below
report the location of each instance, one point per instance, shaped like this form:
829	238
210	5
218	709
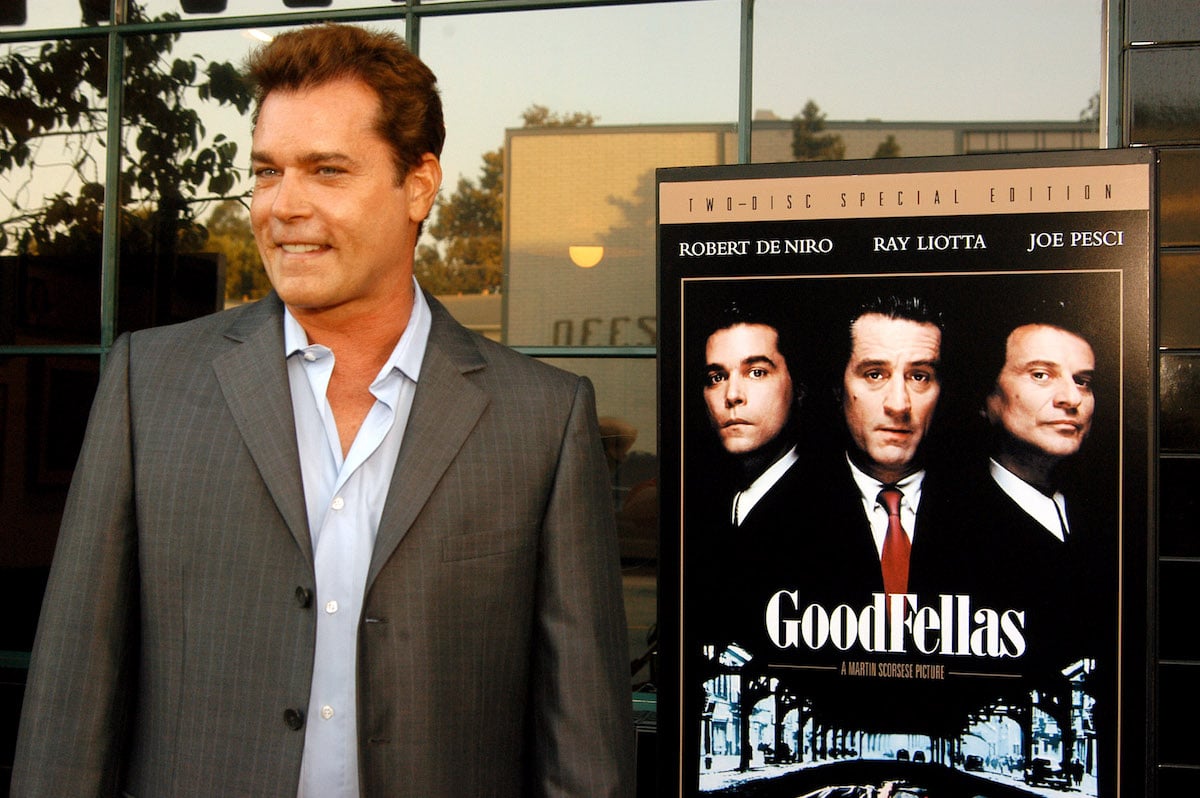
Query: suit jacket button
304	597
294	719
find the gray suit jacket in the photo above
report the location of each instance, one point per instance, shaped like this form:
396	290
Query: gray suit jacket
175	649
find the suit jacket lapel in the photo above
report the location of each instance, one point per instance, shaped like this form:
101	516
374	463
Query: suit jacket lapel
253	377
446	407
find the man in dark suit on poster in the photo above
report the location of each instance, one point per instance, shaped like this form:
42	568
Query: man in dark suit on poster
1043	546
753	398
331	544
747	516
879	529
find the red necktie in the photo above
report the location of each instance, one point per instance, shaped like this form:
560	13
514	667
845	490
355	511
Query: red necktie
895	545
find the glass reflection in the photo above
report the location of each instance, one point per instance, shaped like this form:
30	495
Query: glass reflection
1176	597
627	405
1179	297
186	245
1179	385
1179	741
557	150
1179	506
38	14
250	7
44	404
185	146
834	81
52	132
1179	198
1165	86
1161	21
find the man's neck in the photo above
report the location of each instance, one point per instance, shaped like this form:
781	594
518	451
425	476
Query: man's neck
1031	466
360	337
752	464
884	474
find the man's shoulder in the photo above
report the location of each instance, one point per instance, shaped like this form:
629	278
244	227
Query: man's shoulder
491	362
201	332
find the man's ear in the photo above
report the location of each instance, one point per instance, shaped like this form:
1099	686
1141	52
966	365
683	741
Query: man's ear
422	184
991	408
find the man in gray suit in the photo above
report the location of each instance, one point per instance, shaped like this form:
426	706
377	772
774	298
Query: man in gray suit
331	544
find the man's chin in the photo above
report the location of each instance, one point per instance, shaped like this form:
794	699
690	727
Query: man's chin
740	448
891	459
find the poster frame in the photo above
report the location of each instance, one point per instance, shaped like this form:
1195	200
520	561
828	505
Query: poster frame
973	193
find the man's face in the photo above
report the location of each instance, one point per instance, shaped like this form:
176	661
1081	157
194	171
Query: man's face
334	225
889	391
1043	396
747	386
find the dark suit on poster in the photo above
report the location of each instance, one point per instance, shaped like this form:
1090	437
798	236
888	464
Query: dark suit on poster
1059	584
732	566
843	565
179	653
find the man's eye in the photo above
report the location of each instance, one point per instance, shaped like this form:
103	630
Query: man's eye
264	171
758	372
713	377
1039	376
874	375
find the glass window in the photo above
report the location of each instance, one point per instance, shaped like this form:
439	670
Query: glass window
44	404
1179	385
52	134
1179	286
1179	198
1178	703
1161	21
156	8
576	127
184	172
1165	87
626	403
1179	507
885	78
40	14
1176	586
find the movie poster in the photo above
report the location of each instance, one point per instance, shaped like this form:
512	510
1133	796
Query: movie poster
905	427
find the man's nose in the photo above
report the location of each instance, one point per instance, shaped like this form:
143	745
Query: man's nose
734	393
1068	394
896	400
289	199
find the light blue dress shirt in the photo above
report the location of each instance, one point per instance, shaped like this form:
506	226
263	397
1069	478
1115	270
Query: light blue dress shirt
345	499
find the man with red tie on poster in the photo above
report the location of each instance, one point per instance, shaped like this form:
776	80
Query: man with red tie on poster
879	530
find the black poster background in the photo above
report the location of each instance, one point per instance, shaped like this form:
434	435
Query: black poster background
848	716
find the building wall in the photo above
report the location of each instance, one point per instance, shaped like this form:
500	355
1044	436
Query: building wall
1161	90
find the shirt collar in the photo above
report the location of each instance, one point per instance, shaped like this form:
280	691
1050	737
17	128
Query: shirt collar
869	487
408	354
1049	511
745	500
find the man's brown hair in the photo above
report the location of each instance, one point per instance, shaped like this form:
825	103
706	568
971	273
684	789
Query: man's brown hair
410	115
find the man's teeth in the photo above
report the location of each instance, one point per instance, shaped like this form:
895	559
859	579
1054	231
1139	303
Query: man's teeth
300	247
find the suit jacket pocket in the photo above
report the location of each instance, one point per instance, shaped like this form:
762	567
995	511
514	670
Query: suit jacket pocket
489	543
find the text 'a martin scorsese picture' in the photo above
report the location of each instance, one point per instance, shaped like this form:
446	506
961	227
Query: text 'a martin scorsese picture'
910	428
